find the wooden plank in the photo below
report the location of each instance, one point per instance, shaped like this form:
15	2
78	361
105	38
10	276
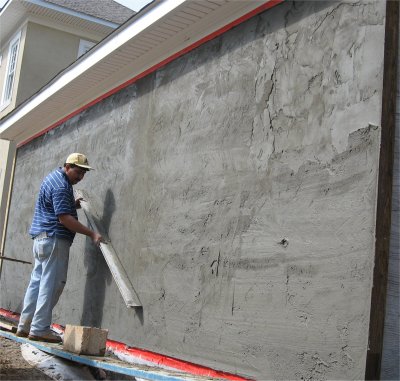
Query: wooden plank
384	203
14	260
118	272
107	363
8	326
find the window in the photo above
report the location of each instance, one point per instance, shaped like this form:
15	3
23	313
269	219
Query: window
11	68
84	46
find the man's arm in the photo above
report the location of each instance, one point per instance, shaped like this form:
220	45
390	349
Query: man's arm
74	225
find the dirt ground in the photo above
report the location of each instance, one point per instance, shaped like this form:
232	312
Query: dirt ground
13	366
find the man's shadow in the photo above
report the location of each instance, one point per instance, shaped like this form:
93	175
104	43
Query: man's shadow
98	275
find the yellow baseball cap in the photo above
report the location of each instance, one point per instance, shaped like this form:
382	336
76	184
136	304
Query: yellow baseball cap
79	160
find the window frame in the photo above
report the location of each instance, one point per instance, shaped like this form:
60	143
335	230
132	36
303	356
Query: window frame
12	63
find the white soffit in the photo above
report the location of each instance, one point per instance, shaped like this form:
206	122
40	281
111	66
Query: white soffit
165	28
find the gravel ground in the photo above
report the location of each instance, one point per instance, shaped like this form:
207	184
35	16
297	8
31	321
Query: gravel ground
13	366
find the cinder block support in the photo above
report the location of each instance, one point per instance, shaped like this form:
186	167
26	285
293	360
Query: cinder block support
85	340
7	160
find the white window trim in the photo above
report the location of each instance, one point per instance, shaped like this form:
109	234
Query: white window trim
84	46
15	40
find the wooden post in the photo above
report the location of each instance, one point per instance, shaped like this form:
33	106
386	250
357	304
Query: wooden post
384	203
7	165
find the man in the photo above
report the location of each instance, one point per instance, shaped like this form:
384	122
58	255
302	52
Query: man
53	229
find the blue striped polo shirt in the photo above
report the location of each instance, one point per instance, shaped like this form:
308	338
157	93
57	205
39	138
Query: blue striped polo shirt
55	197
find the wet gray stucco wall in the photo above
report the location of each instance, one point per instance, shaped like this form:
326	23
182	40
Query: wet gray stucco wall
238	185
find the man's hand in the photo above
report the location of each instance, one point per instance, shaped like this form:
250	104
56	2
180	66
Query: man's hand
97	238
74	225
78	202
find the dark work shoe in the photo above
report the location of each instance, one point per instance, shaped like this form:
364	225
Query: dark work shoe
48	338
21	333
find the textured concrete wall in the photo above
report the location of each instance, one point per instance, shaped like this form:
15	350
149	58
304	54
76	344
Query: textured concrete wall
238	184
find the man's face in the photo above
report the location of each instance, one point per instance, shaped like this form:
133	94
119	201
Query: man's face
74	174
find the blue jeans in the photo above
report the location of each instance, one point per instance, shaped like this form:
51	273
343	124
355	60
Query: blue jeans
47	282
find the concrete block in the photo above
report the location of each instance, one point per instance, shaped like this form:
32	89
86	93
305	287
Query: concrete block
85	340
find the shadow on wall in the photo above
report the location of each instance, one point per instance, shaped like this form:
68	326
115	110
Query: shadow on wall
98	274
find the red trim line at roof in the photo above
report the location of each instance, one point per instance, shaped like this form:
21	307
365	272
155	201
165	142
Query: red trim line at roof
254	12
144	355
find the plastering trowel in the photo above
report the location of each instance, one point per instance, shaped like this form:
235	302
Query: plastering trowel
118	272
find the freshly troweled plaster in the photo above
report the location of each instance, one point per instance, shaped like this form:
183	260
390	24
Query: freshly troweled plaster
238	185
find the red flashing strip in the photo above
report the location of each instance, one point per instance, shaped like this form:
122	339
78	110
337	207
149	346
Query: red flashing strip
15	318
254	12
8	314
170	362
149	356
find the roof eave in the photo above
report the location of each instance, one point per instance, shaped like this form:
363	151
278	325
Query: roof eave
123	43
14	12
